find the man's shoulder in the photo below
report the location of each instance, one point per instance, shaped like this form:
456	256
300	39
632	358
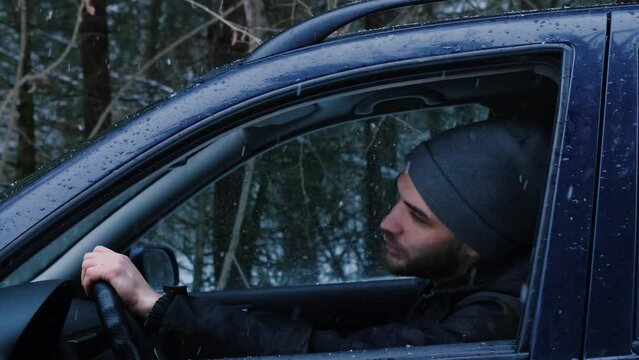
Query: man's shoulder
504	289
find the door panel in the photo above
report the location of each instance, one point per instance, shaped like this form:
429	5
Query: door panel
612	280
331	306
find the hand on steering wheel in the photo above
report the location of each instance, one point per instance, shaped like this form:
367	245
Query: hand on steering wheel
118	286
115	320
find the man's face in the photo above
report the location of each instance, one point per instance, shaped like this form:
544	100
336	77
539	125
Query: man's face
417	242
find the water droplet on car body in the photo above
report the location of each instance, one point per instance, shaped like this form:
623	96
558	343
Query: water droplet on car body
569	193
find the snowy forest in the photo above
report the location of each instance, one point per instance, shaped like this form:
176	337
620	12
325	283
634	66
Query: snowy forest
71	69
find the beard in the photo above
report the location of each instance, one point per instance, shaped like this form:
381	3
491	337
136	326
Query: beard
430	265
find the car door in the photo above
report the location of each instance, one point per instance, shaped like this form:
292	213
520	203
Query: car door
611	326
238	113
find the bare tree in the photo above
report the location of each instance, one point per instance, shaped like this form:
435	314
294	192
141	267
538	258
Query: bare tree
217	17
229	256
201	236
26	163
253	14
377	198
23	79
222	44
153	30
94	46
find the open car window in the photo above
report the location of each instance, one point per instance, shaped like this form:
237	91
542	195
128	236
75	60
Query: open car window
293	199
306	211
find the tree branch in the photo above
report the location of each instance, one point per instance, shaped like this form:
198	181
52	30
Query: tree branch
374	137
241	272
43	74
237	226
150	63
407	124
228	23
21	80
19	73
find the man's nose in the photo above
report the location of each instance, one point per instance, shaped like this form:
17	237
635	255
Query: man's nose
390	224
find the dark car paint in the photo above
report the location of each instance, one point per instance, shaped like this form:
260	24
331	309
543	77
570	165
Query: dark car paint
611	322
576	211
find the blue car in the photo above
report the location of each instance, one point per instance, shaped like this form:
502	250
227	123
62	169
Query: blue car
260	184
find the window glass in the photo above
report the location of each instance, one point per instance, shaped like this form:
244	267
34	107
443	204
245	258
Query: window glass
307	210
304	212
28	270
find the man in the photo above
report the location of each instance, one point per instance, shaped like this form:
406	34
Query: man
465	219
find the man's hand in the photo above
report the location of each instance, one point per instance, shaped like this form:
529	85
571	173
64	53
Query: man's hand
119	271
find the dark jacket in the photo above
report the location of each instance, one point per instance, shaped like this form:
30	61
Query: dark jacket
192	327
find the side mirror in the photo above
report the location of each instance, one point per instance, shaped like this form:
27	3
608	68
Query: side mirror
157	264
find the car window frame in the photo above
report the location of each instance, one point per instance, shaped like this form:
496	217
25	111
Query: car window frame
506	348
288	96
335	84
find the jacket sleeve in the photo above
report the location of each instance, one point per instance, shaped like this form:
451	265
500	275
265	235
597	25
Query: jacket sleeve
477	318
194	327
197	328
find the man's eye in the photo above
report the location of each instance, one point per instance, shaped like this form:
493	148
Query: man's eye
417	217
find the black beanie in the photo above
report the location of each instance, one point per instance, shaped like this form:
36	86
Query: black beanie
484	181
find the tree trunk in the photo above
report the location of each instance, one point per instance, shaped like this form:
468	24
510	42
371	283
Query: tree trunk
254	13
152	35
227	190
243	259
223	47
378	198
94	46
247	258
200	241
229	256
26	128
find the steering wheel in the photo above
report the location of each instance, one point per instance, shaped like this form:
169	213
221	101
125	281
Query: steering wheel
115	320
